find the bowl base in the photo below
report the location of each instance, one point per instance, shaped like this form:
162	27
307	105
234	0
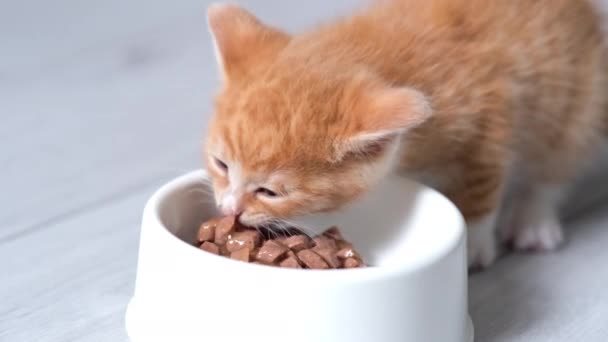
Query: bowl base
137	331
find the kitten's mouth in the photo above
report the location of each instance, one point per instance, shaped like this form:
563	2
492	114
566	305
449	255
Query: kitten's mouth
272	226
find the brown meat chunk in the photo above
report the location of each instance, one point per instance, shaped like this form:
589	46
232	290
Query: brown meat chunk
297	242
329	255
352	263
206	231
224	251
270	252
227	237
323	242
210	247
290	262
249	239
342	244
333	233
312	259
347	252
292	254
224	228
241	254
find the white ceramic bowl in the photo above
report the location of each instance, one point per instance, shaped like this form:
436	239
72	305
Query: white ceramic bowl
418	294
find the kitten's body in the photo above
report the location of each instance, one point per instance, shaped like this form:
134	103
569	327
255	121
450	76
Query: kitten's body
516	91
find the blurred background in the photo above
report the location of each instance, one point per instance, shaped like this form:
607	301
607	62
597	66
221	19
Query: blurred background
103	101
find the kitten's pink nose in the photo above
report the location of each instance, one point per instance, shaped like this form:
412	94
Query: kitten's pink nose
231	205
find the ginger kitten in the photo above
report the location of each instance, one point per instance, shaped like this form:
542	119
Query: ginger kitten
497	104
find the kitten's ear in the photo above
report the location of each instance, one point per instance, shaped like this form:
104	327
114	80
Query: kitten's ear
381	116
240	40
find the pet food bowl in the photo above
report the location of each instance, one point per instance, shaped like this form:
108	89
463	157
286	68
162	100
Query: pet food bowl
415	290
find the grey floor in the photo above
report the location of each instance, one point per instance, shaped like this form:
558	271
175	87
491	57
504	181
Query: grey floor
101	102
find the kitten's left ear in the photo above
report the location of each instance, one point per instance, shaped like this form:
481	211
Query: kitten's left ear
379	117
240	40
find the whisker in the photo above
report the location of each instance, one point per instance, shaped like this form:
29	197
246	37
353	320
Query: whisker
288	228
204	185
310	232
273	226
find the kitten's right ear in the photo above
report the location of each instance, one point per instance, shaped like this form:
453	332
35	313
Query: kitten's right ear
240	40
378	115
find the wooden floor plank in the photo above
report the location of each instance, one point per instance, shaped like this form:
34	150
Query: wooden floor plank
547	297
72	281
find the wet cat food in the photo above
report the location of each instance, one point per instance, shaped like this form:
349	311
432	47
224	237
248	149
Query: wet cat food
225	236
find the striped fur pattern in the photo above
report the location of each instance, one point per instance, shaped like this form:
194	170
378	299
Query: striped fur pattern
468	96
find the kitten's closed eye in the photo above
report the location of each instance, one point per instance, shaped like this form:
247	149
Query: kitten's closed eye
266	192
220	164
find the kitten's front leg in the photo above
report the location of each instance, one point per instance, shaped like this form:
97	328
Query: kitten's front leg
478	195
534	224
481	241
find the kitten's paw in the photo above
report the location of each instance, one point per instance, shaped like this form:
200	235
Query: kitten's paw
543	234
481	244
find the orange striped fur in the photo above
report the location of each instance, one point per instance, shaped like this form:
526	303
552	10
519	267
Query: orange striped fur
461	94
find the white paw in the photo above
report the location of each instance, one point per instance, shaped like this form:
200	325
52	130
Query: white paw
481	243
543	234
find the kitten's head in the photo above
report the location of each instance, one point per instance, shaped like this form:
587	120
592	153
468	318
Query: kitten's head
290	137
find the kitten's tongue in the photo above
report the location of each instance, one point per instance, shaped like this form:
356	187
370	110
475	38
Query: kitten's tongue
382	208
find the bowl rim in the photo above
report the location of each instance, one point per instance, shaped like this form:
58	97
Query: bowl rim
152	220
